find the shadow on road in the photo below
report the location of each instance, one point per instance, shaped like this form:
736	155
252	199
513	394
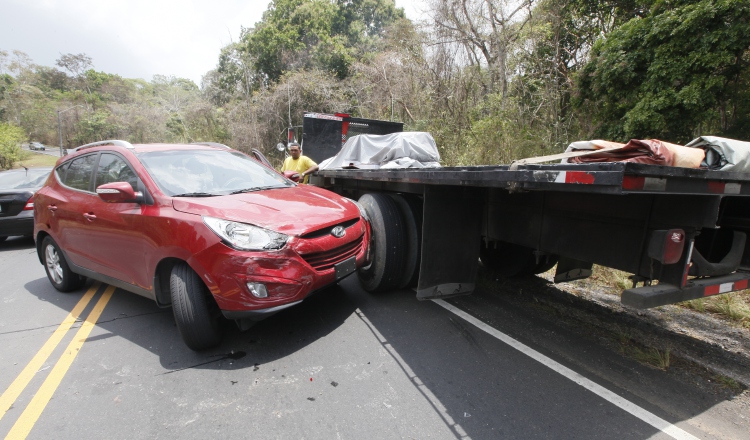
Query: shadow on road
490	390
140	321
16	243
481	387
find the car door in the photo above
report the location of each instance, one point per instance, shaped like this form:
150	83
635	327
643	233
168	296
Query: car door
69	204
117	240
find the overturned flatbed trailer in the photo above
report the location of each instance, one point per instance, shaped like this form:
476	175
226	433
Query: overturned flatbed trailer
683	228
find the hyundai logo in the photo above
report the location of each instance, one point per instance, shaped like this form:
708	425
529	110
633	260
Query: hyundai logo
338	231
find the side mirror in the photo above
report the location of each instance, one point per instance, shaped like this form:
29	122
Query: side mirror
292	175
118	192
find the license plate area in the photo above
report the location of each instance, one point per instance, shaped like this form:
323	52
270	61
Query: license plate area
345	267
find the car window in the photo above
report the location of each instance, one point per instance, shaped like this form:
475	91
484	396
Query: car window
208	172
79	172
60	171
112	168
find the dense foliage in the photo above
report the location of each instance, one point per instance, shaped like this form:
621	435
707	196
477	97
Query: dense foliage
492	80
10	145
682	69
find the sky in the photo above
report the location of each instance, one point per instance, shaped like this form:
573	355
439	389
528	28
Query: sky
135	38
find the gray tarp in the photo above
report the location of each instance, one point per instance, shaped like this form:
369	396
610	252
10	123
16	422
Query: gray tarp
723	154
409	149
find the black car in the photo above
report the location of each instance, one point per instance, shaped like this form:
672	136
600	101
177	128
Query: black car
17	188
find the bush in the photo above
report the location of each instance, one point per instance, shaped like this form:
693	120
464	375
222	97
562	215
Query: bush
10	145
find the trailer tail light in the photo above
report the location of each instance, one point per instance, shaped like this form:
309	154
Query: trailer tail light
666	246
29	204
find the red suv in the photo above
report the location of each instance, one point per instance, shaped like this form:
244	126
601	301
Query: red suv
203	228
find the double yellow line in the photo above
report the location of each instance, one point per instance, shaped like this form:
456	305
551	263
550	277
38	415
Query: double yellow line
34	409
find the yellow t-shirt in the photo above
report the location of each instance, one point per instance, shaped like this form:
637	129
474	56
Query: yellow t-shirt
300	165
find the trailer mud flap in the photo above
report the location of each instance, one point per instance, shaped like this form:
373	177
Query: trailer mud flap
451	234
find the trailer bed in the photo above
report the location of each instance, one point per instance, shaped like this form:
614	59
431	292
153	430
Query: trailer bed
606	178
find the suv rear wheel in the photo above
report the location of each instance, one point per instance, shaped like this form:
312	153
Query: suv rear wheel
58	272
197	316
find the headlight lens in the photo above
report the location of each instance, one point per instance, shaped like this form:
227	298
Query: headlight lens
245	237
362	211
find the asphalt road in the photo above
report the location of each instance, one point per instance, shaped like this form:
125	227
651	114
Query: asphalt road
342	365
49	150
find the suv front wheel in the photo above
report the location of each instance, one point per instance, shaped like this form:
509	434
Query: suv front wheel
196	314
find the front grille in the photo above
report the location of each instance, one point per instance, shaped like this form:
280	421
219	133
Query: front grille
327	259
327	230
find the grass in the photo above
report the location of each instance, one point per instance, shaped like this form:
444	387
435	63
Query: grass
649	356
734	307
728	382
652	356
611	278
32	160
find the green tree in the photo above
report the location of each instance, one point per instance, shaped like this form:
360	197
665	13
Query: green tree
680	71
322	34
10	145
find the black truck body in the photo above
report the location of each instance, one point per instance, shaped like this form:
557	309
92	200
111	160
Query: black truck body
680	232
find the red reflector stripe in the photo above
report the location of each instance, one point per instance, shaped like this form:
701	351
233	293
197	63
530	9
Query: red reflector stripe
711	290
716	187
633	182
578	177
725	288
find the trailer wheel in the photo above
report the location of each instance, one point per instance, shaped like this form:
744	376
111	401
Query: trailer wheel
416	205
512	260
387	253
411	242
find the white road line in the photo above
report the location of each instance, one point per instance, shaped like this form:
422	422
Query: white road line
595	388
421	387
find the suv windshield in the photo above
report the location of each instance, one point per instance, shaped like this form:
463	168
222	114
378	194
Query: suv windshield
23	179
205	173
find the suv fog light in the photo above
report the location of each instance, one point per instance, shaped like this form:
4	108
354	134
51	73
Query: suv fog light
258	290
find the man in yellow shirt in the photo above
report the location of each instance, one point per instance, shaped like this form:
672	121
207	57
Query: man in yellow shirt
299	163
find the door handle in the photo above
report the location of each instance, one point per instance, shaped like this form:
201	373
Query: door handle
89	217
52	208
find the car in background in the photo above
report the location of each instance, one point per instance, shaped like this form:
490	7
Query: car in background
36	146
202	228
17	188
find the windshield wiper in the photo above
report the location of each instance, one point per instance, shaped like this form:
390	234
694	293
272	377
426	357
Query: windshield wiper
196	194
257	188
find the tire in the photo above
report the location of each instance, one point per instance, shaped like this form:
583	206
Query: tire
197	316
417	206
412	241
387	251
58	271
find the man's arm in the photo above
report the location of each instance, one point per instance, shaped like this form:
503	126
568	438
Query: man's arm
310	170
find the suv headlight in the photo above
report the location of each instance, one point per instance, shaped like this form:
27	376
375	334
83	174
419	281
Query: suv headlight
362	211
245	237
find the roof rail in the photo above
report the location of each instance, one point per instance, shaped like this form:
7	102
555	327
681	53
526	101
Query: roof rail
108	142
211	144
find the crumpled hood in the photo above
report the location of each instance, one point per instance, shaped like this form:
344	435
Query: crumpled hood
293	211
